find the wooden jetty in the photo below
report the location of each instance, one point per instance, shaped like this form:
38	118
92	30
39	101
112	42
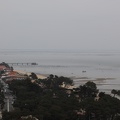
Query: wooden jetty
33	63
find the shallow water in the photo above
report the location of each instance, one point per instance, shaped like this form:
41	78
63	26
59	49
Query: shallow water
70	64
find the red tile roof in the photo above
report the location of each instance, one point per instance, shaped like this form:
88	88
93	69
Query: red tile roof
2	67
12	73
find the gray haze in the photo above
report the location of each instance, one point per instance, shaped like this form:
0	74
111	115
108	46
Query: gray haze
60	24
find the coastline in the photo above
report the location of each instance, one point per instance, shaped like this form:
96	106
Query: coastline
102	83
40	76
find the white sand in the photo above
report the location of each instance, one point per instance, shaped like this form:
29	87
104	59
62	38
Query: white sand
28	73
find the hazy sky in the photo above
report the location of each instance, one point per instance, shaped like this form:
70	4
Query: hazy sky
60	24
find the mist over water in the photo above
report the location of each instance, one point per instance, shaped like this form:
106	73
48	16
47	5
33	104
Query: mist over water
101	67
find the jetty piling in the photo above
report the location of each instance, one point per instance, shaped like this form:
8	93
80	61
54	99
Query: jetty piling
33	63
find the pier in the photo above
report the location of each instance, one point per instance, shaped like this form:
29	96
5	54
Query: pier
33	63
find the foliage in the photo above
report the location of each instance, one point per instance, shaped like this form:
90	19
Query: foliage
33	76
115	92
5	64
87	90
52	102
1	96
91	85
55	82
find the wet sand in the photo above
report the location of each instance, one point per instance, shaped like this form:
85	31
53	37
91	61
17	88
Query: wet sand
103	84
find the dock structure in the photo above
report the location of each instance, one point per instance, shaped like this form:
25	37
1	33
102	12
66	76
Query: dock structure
22	63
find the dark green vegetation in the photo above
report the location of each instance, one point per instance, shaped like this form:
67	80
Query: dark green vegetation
33	76
47	100
5	64
1	96
2	71
115	92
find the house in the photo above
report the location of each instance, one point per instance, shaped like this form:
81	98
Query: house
5	67
12	75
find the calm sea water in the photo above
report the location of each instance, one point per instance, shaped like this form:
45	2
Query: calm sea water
101	67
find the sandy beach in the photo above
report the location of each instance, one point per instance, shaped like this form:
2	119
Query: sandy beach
28	73
102	83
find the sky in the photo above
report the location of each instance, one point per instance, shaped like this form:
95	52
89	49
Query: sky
60	24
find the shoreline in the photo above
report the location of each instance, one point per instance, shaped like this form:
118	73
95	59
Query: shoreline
100	82
40	76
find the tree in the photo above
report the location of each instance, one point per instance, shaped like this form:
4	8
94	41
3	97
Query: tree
118	93
101	94
88	90
53	103
114	92
33	76
55	82
91	85
1	96
5	64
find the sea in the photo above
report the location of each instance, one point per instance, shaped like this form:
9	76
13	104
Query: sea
101	67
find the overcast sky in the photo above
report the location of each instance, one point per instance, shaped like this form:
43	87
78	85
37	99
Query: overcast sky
60	24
